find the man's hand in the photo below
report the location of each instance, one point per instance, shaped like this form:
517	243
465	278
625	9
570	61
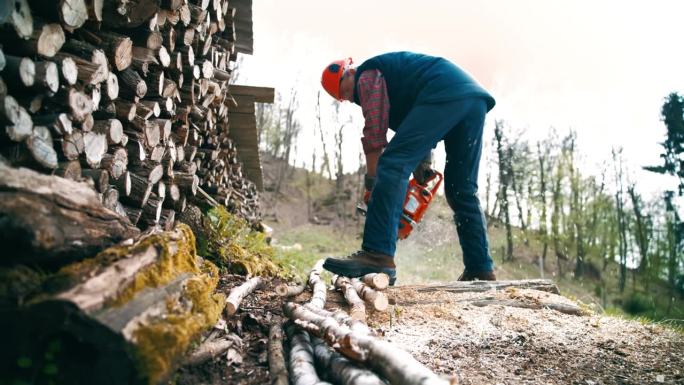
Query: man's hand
368	183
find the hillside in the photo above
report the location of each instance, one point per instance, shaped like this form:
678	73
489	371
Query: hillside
431	254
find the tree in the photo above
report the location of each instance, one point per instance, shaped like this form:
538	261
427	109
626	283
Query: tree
504	180
326	156
673	146
621	220
544	167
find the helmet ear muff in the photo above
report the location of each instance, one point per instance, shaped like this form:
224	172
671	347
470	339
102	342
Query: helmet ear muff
332	76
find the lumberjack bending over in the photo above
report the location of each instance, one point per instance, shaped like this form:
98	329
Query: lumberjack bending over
424	99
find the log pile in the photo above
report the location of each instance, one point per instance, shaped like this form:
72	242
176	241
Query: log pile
132	96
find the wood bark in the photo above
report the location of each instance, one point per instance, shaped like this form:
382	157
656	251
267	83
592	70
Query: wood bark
378	300
301	359
377	281
317	285
357	310
73	223
481	286
238	293
340	370
277	370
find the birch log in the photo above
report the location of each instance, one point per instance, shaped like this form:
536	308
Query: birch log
238	293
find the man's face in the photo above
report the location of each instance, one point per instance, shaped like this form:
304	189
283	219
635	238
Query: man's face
347	85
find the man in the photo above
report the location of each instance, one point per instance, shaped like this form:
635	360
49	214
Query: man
424	99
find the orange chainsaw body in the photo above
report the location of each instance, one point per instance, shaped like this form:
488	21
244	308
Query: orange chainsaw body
417	201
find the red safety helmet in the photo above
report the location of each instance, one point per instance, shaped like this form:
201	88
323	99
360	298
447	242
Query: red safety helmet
332	75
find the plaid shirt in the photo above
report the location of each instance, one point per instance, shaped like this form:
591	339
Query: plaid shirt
375	106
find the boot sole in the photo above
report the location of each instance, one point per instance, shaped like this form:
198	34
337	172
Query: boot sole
358	270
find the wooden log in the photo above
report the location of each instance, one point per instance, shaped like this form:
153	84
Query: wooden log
72	225
285	290
188	183
68	70
317	285
208	350
167	219
80	105
481	286
131	85
340	370
277	370
152	210
87	71
152	171
110	198
95	10
377	281
136	152
99	177
17	121
90	53
117	47
129	14
133	214
378	300
70	170
125	110
72	14
59	124
111	128
47	76
45	40
20	18
115	162
237	294
357	310
95	148
390	361
123	184
19	72
71	145
301	360
110	87
41	147
116	308
141	189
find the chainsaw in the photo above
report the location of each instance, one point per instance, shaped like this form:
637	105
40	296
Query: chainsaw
418	199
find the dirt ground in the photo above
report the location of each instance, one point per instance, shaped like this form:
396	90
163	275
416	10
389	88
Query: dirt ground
493	344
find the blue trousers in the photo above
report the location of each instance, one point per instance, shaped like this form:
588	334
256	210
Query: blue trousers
460	124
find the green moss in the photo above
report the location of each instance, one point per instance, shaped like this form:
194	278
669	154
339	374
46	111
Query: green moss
161	341
232	244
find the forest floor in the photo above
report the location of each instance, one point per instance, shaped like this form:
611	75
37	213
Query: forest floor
443	330
470	344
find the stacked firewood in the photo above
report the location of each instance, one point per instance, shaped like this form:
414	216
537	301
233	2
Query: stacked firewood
131	95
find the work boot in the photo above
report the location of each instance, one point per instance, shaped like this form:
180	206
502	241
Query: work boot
360	263
477	276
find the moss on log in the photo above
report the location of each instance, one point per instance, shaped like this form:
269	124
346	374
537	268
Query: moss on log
128	315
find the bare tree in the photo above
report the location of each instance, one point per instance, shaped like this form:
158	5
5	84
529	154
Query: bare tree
325	166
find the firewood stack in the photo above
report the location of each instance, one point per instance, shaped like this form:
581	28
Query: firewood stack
132	96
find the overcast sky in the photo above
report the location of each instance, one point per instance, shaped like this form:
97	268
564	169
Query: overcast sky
601	68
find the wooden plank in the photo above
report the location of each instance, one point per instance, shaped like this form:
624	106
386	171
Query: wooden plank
261	94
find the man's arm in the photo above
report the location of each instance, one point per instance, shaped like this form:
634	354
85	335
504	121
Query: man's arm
372	162
375	105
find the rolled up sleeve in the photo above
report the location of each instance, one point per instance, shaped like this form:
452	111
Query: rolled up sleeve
375	106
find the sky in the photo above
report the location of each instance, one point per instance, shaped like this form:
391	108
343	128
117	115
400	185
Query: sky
601	68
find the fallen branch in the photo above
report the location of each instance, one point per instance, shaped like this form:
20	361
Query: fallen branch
276	359
375	298
391	362
208	350
238	293
317	285
560	307
285	290
357	310
301	362
378	281
339	369
481	286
